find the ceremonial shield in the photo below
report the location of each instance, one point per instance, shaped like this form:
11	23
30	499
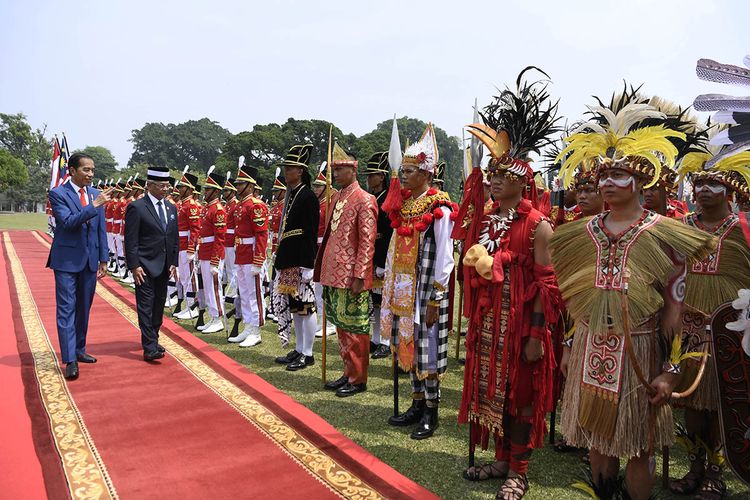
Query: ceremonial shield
733	372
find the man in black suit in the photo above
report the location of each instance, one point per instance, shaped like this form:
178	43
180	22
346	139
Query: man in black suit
151	248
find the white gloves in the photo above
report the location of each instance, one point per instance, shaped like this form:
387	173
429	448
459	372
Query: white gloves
379	272
256	270
307	274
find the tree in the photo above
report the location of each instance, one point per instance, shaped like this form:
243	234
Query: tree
104	161
34	150
266	145
196	142
13	173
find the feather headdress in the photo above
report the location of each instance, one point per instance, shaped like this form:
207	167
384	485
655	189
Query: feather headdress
516	123
634	138
423	153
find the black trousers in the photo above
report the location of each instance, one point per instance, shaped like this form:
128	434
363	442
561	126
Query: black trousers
150	298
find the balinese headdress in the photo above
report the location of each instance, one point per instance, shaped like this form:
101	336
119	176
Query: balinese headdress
628	134
517	123
424	152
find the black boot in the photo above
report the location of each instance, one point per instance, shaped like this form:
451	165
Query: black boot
177	307
236	328
200	321
231	313
410	416
428	424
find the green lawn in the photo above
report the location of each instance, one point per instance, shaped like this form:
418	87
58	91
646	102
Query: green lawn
29	221
436	463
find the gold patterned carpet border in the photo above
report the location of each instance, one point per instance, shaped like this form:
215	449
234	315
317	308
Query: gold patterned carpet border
84	469
312	459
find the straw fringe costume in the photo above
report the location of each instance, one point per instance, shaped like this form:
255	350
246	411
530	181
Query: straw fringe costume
605	406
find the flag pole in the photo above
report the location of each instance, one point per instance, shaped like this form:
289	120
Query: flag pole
328	218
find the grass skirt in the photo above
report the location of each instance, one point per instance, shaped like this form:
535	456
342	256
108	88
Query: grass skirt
636	429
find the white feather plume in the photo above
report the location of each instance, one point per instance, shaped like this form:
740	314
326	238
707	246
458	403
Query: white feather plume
278	172
210	169
241	161
229	174
119	179
394	151
184	170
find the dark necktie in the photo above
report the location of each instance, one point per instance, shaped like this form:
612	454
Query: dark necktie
162	215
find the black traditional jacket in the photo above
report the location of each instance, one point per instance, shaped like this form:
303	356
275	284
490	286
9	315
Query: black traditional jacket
384	232
299	230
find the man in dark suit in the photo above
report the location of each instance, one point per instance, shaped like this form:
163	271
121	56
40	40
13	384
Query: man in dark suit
78	255
151	249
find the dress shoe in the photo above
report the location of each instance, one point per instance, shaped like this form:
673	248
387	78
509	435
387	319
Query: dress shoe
187	313
290	356
428	423
253	339
373	346
152	355
160	348
334	385
381	351
71	370
410	416
213	326
300	363
86	358
350	390
242	335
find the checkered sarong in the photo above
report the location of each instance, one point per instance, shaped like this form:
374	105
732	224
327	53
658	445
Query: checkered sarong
425	279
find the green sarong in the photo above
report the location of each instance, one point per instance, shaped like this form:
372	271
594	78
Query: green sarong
347	311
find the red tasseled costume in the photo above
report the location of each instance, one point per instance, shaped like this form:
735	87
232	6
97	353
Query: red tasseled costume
527	383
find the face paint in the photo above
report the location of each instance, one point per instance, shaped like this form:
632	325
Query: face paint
620	183
720	189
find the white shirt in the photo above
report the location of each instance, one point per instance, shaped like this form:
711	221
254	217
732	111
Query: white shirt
78	191
154	201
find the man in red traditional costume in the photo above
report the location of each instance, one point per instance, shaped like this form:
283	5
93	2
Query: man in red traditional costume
621	274
188	225
344	268
414	311
710	283
511	296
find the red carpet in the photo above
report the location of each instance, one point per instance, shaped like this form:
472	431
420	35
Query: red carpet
197	425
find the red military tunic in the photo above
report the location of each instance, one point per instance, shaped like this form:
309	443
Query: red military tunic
123	208
108	211
231	223
212	232
118	214
251	221
189	223
277	207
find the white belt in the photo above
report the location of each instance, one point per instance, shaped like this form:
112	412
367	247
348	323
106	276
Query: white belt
207	239
109	220
320	240
230	231
184	234
247	241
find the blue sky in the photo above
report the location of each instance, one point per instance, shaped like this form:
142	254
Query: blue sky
98	69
